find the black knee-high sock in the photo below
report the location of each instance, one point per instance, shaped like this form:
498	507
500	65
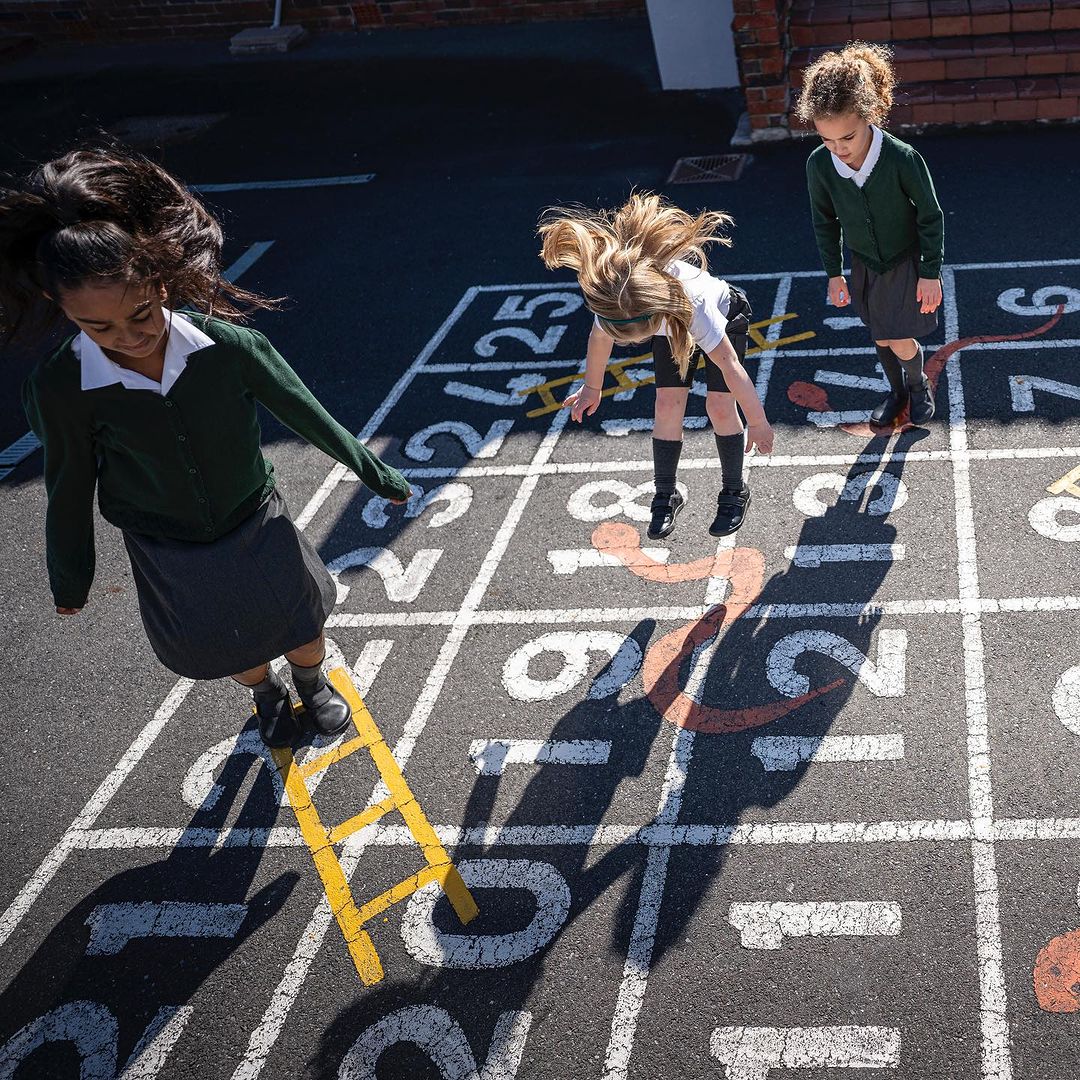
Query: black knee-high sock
732	450
913	368
665	456
893	371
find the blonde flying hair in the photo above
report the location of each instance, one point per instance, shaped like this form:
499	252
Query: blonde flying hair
859	79
622	259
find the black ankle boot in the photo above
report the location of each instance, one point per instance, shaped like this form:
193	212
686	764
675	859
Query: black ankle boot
278	725
326	711
922	402
887	412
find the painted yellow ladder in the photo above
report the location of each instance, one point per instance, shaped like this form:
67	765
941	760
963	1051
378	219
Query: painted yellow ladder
624	381
321	839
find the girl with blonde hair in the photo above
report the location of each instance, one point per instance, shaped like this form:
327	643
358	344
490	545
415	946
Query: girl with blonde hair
643	272
874	192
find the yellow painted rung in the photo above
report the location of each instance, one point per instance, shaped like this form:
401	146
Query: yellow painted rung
1068	483
321	840
368	817
401	891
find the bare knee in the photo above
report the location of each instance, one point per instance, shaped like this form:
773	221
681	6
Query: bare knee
723	413
310	654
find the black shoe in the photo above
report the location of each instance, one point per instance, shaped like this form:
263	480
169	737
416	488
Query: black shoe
922	402
278	725
887	412
665	509
730	511
326	711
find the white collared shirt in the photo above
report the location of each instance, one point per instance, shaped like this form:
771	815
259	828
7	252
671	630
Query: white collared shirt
867	167
98	370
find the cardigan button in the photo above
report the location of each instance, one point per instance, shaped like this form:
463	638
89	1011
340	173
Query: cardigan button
193	471
182	438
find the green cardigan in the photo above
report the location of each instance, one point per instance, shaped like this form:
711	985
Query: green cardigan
891	217
185	466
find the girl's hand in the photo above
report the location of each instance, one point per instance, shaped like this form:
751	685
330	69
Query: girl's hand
838	292
68	610
928	294
402	502
761	436
583	402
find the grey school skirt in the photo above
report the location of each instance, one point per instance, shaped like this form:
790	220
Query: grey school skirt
215	609
886	302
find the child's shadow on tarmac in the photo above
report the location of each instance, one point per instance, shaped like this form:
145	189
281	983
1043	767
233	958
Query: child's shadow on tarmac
724	784
99	955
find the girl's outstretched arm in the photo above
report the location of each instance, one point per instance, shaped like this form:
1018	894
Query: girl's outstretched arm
759	432
586	400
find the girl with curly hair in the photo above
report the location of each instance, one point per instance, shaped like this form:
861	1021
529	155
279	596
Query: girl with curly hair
874	192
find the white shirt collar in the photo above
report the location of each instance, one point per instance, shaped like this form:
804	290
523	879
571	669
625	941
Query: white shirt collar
98	370
863	174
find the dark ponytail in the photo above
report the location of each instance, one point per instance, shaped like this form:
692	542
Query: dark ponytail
112	215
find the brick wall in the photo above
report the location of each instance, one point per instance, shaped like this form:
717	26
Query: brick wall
125	20
763	61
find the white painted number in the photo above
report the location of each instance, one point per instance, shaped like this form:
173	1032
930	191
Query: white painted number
476	445
514	308
439	1036
1023	387
1043	517
402	583
749	1053
428	944
625	654
1044	301
1067	699
893	492
886	678
552	336
458	499
92	1031
626	500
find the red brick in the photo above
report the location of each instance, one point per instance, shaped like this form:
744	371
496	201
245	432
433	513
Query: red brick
1006	66
1058	108
1040	87
801	35
753	22
994	45
915	93
1024	21
951	25
950	7
966	68
973	112
989	7
995	89
952	92
932	114
1016	110
774	68
911	9
900	115
1043	64
923	70
1065	20
911	28
1070	84
991	24
880	30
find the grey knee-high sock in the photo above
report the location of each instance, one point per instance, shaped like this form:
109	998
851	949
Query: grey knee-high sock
913	368
665	455
307	680
732	450
270	687
893	371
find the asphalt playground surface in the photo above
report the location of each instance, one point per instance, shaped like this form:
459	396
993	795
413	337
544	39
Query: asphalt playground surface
805	805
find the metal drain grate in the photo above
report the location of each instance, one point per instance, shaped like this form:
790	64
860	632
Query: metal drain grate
700	170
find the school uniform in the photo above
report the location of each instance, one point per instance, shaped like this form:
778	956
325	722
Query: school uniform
225	580
888	214
719	309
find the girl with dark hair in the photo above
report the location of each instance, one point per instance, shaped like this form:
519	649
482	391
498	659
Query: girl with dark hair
156	408
874	192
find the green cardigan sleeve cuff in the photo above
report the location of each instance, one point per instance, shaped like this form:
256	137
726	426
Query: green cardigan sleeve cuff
281	390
